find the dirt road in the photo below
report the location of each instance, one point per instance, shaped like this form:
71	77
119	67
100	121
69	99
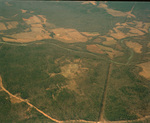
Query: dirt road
11	95
101	114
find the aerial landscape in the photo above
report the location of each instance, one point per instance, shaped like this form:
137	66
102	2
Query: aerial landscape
74	62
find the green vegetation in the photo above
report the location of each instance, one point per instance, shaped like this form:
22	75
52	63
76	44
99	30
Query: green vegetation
34	70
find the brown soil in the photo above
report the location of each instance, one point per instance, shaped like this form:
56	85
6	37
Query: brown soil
2	26
94	48
145	70
148	45
109	41
115	12
98	40
23	11
12	24
43	19
32	20
117	34
37	32
135	46
104	50
133	31
15	100
89	2
68	35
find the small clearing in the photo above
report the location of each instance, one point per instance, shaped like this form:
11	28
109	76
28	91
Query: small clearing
109	41
15	100
23	11
37	31
68	35
2	26
135	46
72	71
89	2
135	28
12	24
145	70
115	13
104	50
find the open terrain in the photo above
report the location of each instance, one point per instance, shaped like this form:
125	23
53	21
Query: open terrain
74	62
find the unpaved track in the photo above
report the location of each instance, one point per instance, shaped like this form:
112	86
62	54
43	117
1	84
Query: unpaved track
101	114
69	121
11	95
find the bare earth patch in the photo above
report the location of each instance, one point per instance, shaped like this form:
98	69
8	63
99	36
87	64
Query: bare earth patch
148	45
68	35
12	24
37	31
135	46
115	12
2	26
135	28
89	2
109	41
145	70
94	48
23	11
104	50
15	100
71	71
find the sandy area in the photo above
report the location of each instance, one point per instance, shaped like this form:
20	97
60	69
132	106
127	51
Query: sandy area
12	24
135	46
23	11
68	35
109	41
43	18
2	26
89	2
32	20
145	70
118	34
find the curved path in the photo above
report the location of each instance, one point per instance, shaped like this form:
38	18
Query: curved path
92	54
11	95
75	121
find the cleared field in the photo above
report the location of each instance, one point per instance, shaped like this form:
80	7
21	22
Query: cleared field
135	46
115	12
12	24
2	26
145	70
68	35
104	50
37	31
